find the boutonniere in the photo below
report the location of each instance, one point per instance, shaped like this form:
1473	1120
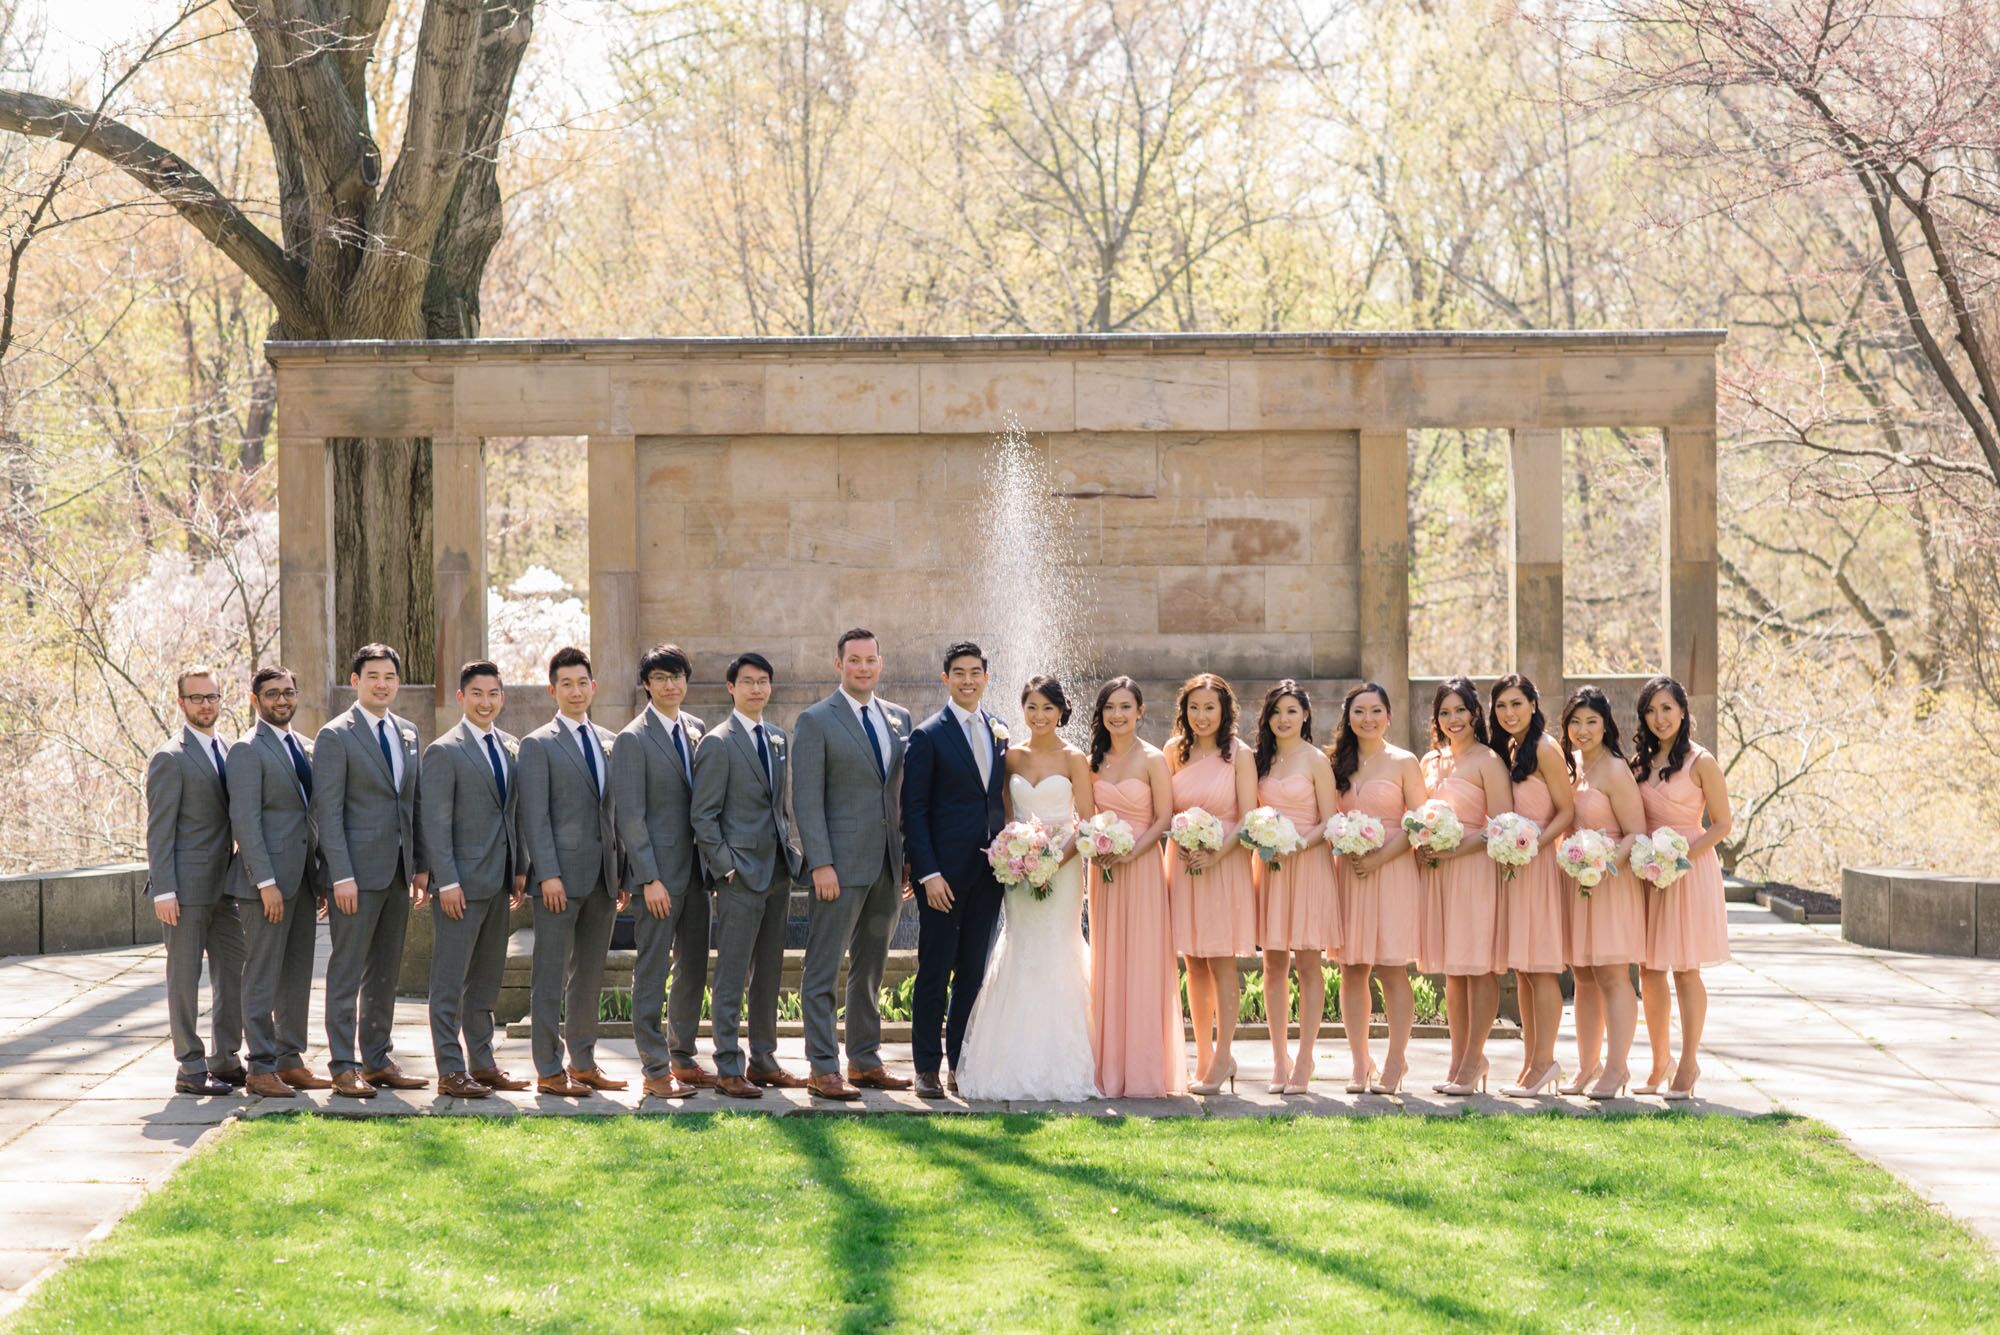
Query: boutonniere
999	728
410	739
512	748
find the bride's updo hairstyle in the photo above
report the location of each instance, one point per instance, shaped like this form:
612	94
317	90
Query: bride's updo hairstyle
1345	753
1267	741
1050	690
1225	731
1100	736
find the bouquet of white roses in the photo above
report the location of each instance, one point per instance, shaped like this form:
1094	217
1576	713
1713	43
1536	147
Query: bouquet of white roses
1269	835
1025	853
1196	830
1434	827
1512	840
1660	857
1105	835
1585	856
1354	833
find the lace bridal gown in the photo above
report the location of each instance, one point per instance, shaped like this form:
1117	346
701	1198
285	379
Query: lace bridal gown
1029	1035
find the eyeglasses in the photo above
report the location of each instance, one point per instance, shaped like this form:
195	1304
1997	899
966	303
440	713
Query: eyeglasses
211	699
278	695
663	678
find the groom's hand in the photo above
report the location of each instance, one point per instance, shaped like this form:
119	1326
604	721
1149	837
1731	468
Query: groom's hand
826	883
938	892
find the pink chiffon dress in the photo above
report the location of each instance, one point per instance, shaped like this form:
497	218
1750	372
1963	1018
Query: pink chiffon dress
1215	913
1381	913
1687	924
1135	991
1534	904
1607	925
1461	922
1298	905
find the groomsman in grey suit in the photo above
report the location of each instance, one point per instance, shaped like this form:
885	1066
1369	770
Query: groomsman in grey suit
270	809
470	813
195	879
847	781
566	812
365	811
652	782
740	780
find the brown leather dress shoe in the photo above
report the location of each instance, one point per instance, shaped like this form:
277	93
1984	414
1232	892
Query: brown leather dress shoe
698	1076
350	1085
459	1085
495	1078
596	1079
392	1077
777	1078
875	1077
927	1085
562	1085
667	1087
268	1086
302	1077
831	1086
736	1087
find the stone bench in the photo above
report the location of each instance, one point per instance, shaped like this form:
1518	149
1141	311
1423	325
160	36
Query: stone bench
1928	912
87	908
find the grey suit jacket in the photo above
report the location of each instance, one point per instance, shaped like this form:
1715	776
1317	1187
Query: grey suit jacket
189	849
268	812
850	815
652	795
470	838
570	828
364	819
739	816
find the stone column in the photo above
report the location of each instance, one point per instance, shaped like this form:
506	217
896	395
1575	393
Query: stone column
1689	569
305	573
458	547
1535	564
614	576
1383	497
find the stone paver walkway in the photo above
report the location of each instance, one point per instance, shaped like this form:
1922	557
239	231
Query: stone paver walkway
1896	1052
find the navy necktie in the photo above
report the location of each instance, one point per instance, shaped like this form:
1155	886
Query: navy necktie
388	756
874	751
221	766
589	759
680	749
763	754
300	766
499	770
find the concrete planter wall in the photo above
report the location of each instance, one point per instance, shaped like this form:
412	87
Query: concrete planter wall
88	908
1928	912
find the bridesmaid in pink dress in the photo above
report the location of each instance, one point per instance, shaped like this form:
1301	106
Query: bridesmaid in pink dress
1213	902
1461	937
1687	924
1533	904
1381	901
1135	991
1298	902
1608	926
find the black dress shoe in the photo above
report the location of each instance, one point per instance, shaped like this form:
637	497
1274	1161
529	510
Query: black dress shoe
235	1079
205	1083
927	1086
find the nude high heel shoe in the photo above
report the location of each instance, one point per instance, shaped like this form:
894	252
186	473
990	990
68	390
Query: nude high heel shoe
1475	1085
1365	1085
1675	1094
1600	1094
1215	1086
1529	1089
1377	1086
1300	1083
1582	1082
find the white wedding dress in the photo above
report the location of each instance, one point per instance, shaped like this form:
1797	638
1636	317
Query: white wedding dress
1029	1035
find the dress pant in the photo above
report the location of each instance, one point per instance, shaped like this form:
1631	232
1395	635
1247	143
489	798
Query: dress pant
214	931
680	938
361	975
568	978
952	945
468	958
277	981
749	950
859	923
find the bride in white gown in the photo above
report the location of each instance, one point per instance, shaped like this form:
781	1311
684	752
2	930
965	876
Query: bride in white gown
1029	1034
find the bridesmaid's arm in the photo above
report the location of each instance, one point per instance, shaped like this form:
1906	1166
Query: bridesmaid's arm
1081	795
1411	775
1626	809
1715	793
1323	794
1245	766
1555	777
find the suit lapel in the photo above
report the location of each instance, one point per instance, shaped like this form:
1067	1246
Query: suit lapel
275	749
741	736
959	745
470	741
195	748
364	731
567	743
855	731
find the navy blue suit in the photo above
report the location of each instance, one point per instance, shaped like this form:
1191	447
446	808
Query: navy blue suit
948	821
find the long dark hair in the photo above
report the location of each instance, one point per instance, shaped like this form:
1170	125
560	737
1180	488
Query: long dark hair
1598	703
1463	688
1267	741
1100	736
1346	749
1647	749
1522	755
1225	730
1049	689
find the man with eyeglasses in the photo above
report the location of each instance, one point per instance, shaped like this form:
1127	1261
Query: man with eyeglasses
194	875
270	809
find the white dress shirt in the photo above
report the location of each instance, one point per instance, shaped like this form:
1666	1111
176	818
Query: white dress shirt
584	736
286	740
673	725
375	721
206	744
879	716
481	734
981	733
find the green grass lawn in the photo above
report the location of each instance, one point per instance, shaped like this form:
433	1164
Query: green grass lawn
695	1223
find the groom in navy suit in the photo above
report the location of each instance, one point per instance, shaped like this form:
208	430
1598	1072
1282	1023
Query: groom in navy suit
953	777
